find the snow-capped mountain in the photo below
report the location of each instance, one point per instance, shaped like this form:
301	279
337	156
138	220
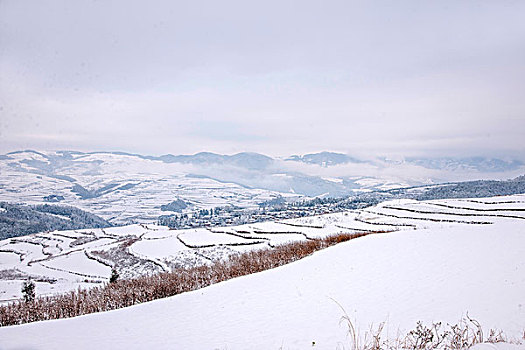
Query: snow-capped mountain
325	158
478	164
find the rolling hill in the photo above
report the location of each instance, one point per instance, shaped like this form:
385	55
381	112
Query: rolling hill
446	258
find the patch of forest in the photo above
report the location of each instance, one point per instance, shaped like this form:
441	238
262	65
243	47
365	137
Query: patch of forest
20	220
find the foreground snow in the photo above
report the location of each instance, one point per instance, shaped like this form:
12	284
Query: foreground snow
433	274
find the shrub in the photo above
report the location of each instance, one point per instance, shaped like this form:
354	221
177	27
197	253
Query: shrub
462	335
28	291
114	276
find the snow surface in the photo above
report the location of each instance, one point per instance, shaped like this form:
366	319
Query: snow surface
76	262
8	259
143	185
69	259
204	237
158	248
434	274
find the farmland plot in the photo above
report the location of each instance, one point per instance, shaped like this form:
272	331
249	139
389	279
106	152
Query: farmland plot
60	261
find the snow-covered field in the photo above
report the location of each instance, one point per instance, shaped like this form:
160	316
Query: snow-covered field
431	271
135	187
443	259
129	188
61	261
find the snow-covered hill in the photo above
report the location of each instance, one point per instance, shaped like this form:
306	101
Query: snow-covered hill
64	260
446	258
130	188
118	187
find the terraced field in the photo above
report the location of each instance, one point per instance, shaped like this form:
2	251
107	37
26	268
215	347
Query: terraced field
60	261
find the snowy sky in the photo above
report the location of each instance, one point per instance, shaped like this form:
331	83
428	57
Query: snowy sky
276	77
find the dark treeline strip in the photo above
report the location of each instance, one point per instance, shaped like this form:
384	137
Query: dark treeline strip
21	220
123	293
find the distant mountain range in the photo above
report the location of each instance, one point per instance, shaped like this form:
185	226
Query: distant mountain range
125	187
325	159
476	164
257	161
253	161
479	164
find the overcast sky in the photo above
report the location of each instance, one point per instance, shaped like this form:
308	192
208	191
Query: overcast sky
276	77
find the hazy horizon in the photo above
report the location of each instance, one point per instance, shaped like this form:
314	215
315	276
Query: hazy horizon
278	78
357	156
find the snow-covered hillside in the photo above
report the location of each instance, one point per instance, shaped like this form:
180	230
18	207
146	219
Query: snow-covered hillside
118	187
128	188
65	260
447	258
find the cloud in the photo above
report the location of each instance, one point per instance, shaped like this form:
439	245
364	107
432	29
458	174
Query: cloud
274	77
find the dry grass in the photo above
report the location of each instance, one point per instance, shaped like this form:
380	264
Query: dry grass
462	335
123	293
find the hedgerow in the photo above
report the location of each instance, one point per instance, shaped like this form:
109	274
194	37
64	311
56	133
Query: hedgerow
127	292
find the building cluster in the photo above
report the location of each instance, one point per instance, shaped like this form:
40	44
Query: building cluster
230	215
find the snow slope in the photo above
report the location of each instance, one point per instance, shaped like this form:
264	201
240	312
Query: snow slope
120	188
61	261
430	274
128	188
